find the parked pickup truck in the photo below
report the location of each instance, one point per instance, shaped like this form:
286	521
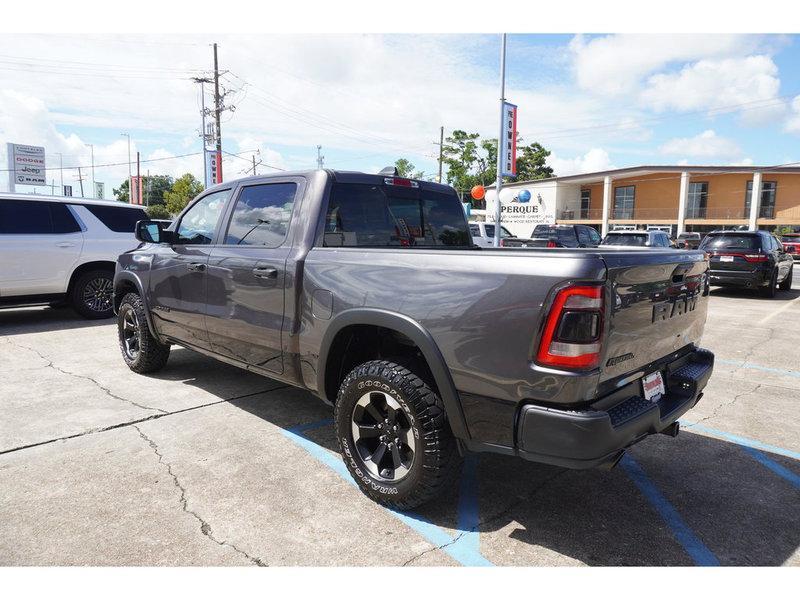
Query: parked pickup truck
367	291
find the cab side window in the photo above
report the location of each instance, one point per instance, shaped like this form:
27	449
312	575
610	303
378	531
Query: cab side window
198	224
594	236
261	215
584	237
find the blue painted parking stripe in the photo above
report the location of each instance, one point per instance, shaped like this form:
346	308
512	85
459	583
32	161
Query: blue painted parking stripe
468	544
700	554
463	554
747	365
776	468
742	441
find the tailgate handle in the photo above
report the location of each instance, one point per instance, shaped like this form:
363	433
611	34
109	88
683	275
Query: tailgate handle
266	272
680	271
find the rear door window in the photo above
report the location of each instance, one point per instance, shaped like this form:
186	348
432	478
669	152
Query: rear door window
262	214
388	215
119	219
34	217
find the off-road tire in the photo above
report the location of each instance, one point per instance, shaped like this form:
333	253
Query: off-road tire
81	286
786	284
771	289
436	461
152	355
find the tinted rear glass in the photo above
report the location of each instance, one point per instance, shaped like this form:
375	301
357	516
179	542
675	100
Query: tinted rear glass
732	241
32	217
121	220
622	239
562	234
792	239
386	215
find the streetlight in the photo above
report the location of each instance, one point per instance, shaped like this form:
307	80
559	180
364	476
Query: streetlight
94	183
130	175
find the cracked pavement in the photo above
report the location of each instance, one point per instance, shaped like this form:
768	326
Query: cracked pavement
190	466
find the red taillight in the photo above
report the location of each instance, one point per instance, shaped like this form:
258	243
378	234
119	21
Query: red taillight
551	244
756	257
502	242
573	331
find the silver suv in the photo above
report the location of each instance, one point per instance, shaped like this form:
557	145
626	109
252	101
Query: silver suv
63	250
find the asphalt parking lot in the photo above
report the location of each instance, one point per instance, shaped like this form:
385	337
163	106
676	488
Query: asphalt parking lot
205	464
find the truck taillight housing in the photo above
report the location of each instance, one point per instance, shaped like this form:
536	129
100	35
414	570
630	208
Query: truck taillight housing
574	328
551	244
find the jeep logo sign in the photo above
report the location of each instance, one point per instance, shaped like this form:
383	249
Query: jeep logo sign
673	307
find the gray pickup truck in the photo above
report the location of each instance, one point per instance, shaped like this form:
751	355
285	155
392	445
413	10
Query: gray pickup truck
367	291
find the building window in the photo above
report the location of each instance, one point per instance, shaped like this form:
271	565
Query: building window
769	189
698	200
623	202
586	201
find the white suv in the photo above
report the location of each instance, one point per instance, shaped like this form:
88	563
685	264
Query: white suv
56	249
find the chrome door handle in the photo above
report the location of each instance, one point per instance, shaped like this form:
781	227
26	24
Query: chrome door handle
196	267
265	273
65	244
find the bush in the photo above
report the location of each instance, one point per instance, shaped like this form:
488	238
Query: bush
158	211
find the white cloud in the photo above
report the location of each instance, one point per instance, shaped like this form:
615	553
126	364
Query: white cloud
615	64
704	145
792	124
751	81
595	159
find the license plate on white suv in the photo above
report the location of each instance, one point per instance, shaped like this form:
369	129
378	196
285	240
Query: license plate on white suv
653	386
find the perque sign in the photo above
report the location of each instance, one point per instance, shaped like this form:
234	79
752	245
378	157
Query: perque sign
508	145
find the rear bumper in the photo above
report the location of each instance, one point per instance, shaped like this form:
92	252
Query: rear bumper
750	279
596	437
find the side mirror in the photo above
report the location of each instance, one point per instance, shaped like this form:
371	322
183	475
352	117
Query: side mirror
154	232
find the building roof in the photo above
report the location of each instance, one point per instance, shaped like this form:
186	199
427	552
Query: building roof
650	169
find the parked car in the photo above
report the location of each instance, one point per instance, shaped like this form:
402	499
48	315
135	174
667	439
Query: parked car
557	236
642	239
63	250
791	243
750	259
690	240
367	290
483	234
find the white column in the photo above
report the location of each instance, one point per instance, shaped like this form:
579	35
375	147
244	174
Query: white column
682	201
606	203
755	200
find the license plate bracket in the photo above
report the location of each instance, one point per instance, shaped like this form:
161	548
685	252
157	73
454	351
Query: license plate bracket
653	386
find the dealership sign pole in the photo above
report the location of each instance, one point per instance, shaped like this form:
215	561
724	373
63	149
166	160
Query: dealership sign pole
506	142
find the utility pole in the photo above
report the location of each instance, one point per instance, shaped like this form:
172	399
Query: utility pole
320	158
80	180
147	197
130	175
204	132
441	149
94	185
138	179
217	111
499	139
61	170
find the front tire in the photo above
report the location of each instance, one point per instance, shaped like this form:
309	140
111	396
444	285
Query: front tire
92	294
394	436
140	350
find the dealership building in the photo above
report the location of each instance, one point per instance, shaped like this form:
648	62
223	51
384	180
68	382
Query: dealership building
674	198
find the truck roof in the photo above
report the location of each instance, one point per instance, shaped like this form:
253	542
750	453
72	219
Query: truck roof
338	176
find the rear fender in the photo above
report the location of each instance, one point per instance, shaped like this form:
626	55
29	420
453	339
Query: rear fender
415	332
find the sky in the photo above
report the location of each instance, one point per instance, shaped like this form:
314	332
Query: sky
595	101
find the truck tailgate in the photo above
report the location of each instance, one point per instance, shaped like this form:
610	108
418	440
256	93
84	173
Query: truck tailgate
658	302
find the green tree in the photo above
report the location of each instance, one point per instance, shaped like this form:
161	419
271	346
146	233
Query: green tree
154	188
532	162
184	189
158	211
123	193
405	168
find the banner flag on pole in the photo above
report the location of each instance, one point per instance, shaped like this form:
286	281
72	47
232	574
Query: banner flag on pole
508	144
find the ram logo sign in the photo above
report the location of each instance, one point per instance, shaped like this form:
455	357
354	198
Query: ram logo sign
674	307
